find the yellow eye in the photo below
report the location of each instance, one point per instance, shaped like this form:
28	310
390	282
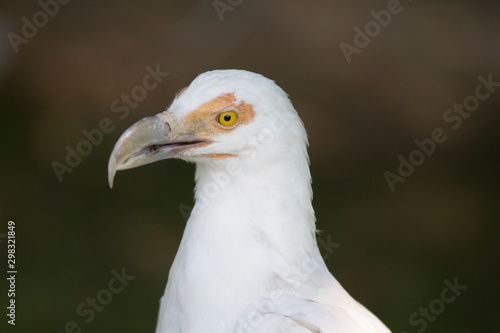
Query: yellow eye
228	118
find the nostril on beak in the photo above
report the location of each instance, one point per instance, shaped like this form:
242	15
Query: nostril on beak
166	129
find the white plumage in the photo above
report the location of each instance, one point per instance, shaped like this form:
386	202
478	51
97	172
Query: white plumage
248	260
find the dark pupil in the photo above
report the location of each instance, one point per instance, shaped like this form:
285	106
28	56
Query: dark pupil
227	117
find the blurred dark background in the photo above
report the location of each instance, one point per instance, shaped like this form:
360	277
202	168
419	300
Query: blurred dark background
396	248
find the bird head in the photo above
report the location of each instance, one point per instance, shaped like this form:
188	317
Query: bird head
222	115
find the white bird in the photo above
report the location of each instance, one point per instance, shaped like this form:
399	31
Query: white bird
248	260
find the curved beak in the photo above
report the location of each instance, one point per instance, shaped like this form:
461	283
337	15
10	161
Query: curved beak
147	141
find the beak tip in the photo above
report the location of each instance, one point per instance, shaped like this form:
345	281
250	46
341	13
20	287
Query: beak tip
111	172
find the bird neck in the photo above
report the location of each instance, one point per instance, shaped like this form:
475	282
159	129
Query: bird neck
249	224
268	195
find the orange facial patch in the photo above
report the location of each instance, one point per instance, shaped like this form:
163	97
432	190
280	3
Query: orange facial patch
219	156
204	121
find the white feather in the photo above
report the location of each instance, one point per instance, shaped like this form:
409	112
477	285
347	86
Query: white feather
248	260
